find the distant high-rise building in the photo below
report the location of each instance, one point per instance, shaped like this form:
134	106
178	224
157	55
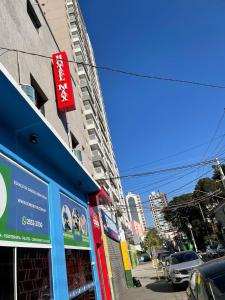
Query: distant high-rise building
135	209
158	202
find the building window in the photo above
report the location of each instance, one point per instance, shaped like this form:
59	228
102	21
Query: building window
74	144
33	16
33	276
26	273
79	274
40	97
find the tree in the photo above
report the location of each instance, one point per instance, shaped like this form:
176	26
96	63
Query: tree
179	217
198	212
152	240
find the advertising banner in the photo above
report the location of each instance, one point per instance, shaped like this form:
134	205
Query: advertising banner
74	222
24	211
95	223
110	226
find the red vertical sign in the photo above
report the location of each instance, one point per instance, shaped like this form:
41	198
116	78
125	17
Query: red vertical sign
63	84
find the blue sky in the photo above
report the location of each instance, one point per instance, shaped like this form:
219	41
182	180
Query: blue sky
150	119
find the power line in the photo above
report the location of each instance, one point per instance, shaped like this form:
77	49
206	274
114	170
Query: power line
182	187
195	201
124	72
213	136
176	154
140	188
201	163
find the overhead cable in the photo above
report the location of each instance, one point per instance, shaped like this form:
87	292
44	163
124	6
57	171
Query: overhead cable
134	74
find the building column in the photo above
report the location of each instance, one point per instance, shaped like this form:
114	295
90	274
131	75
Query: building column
59	273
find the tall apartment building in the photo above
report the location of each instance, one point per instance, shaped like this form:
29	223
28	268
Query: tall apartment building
157	202
68	26
135	209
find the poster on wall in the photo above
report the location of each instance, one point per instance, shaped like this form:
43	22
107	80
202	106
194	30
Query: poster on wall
109	224
24	211
74	223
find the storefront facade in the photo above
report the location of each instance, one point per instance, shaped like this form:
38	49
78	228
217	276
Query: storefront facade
113	241
46	240
98	237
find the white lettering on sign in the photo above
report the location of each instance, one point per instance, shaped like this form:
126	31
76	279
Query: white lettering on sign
59	63
62	87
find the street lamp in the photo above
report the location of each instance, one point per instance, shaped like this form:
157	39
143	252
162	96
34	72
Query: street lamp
192	236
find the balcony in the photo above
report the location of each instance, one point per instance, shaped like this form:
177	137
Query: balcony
99	173
79	58
86	96
81	70
88	109
91	123
98	160
93	139
83	82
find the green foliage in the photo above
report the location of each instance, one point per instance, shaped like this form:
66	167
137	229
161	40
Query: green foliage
152	240
181	216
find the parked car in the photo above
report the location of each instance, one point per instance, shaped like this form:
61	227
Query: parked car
179	266
221	249
162	258
144	257
211	251
207	282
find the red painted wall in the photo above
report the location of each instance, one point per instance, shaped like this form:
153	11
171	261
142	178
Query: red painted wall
100	254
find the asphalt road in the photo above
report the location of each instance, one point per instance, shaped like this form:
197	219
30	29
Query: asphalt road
152	287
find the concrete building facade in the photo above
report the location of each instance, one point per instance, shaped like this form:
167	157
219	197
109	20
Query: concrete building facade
135	209
158	202
44	182
68	26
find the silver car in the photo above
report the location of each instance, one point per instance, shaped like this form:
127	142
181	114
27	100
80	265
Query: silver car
179	266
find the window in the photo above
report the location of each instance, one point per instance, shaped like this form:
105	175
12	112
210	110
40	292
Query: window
79	273
73	142
40	97
29	270
33	16
33	274
73	24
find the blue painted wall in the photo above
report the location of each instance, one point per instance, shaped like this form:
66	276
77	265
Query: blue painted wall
59	275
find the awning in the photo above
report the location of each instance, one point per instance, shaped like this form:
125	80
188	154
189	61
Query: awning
19	120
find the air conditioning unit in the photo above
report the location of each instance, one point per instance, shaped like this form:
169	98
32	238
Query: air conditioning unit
30	92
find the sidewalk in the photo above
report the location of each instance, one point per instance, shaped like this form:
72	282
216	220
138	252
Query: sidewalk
152	288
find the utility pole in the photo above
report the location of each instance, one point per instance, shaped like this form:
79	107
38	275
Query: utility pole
219	168
192	236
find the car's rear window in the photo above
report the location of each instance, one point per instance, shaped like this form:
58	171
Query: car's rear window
219	282
179	258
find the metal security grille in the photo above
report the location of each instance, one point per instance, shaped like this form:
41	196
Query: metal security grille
118	276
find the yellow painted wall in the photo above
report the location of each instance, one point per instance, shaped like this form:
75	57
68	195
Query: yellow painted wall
107	256
125	254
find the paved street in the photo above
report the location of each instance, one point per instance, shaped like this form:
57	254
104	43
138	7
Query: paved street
152	288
